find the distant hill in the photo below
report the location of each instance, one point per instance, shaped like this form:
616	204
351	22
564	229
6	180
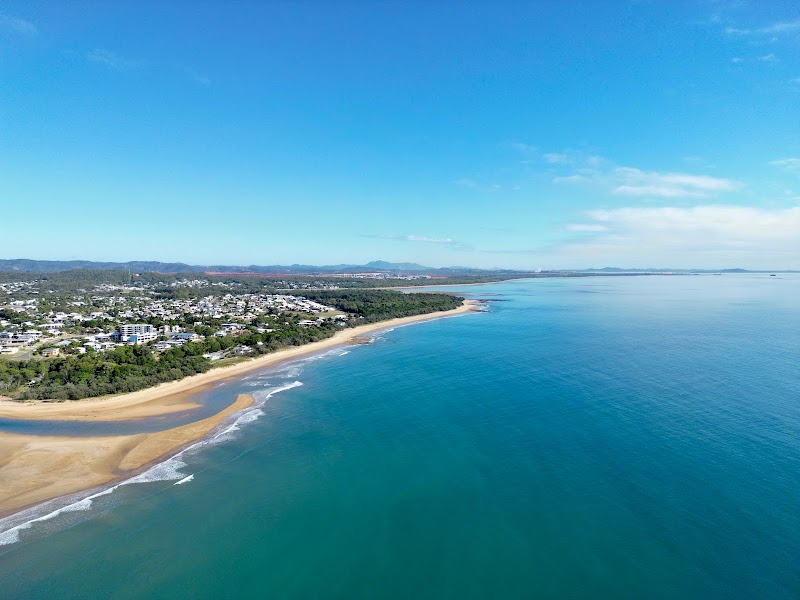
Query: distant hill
382	265
26	265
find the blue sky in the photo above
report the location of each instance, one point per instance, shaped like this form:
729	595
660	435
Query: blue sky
522	135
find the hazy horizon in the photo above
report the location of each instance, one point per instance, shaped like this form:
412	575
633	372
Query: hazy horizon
323	264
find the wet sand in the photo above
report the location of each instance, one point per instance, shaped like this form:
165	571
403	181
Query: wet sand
36	468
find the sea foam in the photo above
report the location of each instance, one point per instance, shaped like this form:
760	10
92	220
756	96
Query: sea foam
167	470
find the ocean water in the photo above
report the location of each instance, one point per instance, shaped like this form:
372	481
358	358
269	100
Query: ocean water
625	437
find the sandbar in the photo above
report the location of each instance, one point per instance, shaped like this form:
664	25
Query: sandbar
36	468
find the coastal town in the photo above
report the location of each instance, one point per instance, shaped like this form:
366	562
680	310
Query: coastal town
34	323
88	333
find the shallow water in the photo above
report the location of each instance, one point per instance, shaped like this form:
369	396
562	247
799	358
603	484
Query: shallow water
210	401
602	437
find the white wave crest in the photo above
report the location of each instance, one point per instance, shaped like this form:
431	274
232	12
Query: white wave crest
167	470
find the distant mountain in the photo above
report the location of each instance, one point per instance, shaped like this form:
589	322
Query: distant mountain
26	265
52	266
382	265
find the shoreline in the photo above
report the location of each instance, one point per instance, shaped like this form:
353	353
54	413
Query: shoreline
174	396
35	469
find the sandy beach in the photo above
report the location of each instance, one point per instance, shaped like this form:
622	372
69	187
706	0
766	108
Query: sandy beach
36	468
176	396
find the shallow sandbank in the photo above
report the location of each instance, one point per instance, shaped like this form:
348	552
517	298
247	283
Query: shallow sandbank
35	468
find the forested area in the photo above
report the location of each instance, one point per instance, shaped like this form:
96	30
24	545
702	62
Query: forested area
379	305
131	368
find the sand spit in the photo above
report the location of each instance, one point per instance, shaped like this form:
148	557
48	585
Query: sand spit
36	468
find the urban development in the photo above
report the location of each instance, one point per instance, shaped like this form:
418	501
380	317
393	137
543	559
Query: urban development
87	333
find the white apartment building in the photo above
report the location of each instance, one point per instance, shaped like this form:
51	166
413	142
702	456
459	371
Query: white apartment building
138	333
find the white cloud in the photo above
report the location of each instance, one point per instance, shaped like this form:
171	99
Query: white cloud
523	147
781	27
425	240
790	164
579	159
634	182
110	59
466	182
695	160
16	25
737	31
555	158
472	184
577	178
710	236
196	75
421	239
628	181
769	58
586	227
773	29
659	191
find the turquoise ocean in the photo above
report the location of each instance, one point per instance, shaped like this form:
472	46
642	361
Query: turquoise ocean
602	437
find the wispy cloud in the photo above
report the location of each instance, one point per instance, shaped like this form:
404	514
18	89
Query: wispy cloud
790	164
781	27
769	58
772	29
705	235
696	161
576	178
669	185
421	239
17	25
628	181
472	184
466	182
110	59
194	74
556	158
586	227
524	147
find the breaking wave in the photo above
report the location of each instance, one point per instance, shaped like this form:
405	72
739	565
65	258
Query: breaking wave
167	470
170	468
